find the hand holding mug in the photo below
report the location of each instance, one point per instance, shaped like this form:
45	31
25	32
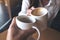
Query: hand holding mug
14	33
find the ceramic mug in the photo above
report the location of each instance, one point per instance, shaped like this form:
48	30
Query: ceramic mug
41	15
25	22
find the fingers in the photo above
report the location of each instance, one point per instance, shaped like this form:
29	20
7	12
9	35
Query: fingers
29	12
24	34
29	32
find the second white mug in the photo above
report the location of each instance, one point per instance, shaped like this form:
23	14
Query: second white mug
41	15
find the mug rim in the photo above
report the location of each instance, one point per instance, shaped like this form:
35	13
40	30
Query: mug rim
40	8
29	17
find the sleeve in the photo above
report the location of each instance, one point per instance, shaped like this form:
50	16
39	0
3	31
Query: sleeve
53	9
24	7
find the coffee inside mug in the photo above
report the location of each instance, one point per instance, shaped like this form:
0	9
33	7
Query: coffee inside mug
40	11
26	19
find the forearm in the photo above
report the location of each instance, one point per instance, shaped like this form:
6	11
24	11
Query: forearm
24	7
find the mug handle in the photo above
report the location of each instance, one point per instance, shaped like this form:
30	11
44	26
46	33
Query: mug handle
37	31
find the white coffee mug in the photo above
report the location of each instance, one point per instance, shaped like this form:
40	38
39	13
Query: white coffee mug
25	22
41	15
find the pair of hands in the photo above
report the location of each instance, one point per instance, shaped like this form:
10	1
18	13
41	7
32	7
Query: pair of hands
15	33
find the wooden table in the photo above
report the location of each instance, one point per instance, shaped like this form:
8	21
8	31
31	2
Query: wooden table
48	34
3	35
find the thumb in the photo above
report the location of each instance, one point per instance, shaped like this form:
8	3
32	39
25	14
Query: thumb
13	23
32	8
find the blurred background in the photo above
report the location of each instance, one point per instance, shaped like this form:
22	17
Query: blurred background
10	9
